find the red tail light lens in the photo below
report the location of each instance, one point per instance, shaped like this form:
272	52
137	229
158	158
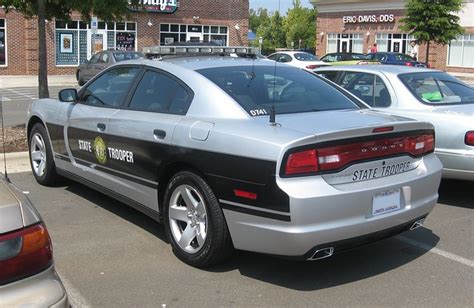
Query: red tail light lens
311	66
332	158
24	253
408	64
469	138
302	162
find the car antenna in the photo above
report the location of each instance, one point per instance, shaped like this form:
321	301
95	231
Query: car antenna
272	109
3	141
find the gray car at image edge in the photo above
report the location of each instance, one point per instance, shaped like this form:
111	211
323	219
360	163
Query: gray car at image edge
187	141
27	275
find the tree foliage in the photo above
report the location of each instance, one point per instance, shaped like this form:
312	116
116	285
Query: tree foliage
107	10
300	26
280	31
271	30
433	21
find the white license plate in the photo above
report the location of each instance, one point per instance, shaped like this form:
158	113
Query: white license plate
386	202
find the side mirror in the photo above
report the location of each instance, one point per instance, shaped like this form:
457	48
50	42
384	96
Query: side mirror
68	95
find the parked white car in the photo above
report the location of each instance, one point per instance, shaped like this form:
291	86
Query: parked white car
299	59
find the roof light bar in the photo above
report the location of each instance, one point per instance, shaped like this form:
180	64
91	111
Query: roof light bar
182	50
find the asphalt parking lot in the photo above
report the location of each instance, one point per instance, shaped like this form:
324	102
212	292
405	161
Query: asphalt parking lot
110	255
16	101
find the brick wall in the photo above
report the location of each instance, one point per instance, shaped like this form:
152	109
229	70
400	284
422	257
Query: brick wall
22	44
333	23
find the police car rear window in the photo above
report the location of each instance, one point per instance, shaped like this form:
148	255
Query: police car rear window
288	89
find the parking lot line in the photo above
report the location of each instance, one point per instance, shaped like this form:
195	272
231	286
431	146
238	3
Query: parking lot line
20	93
437	251
74	296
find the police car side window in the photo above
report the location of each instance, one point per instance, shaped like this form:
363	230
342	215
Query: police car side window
160	93
110	89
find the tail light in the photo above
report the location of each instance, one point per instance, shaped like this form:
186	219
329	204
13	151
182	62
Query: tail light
24	253
469	138
333	158
302	162
408	64
311	66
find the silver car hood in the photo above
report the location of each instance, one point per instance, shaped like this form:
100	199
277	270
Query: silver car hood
331	121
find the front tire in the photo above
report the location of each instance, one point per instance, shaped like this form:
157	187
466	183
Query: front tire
194	221
41	156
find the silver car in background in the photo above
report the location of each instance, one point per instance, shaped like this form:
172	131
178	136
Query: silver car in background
422	94
27	275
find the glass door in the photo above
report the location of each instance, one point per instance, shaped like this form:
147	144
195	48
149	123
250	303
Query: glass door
96	42
397	45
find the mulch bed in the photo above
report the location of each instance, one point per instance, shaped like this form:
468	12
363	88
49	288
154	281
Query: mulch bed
15	139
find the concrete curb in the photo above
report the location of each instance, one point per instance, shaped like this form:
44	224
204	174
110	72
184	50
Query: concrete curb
17	81
16	162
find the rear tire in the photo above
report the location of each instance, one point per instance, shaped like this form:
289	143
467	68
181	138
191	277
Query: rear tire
41	156
194	221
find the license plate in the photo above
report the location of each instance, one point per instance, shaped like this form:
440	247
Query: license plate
386	202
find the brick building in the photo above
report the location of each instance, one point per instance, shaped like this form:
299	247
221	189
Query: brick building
72	43
355	25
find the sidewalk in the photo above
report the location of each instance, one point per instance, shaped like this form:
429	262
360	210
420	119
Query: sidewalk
16	81
16	162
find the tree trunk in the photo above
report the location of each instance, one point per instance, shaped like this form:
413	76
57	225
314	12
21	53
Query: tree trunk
43	91
427	52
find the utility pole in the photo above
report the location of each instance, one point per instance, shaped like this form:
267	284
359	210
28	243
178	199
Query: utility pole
43	91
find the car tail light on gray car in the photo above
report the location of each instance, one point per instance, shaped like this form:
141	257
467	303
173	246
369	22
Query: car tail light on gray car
327	158
469	138
24	253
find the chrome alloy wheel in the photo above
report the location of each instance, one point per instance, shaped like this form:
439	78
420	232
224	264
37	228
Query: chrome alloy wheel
188	218
38	154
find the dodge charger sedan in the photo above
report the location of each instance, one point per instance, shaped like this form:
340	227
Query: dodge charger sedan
422	94
239	153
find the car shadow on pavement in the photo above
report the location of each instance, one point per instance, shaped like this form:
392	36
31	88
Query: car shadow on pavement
456	193
120	209
355	265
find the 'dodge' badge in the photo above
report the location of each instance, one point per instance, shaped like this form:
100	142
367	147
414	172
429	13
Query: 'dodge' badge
100	150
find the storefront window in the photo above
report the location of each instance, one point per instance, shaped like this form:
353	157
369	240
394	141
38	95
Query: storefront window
343	42
76	43
3	43
460	51
394	42
193	33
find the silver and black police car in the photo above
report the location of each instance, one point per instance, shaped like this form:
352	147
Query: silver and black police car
238	153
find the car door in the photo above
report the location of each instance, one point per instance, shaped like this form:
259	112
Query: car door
368	87
86	129
102	63
141	134
88	72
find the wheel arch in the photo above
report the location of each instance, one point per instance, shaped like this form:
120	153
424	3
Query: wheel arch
168	172
31	122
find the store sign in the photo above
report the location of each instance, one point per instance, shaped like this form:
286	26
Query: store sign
125	41
373	19
158	6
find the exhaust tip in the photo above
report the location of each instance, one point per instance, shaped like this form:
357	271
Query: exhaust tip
322	253
417	224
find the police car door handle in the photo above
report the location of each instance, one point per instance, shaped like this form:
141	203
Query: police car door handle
159	133
101	127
